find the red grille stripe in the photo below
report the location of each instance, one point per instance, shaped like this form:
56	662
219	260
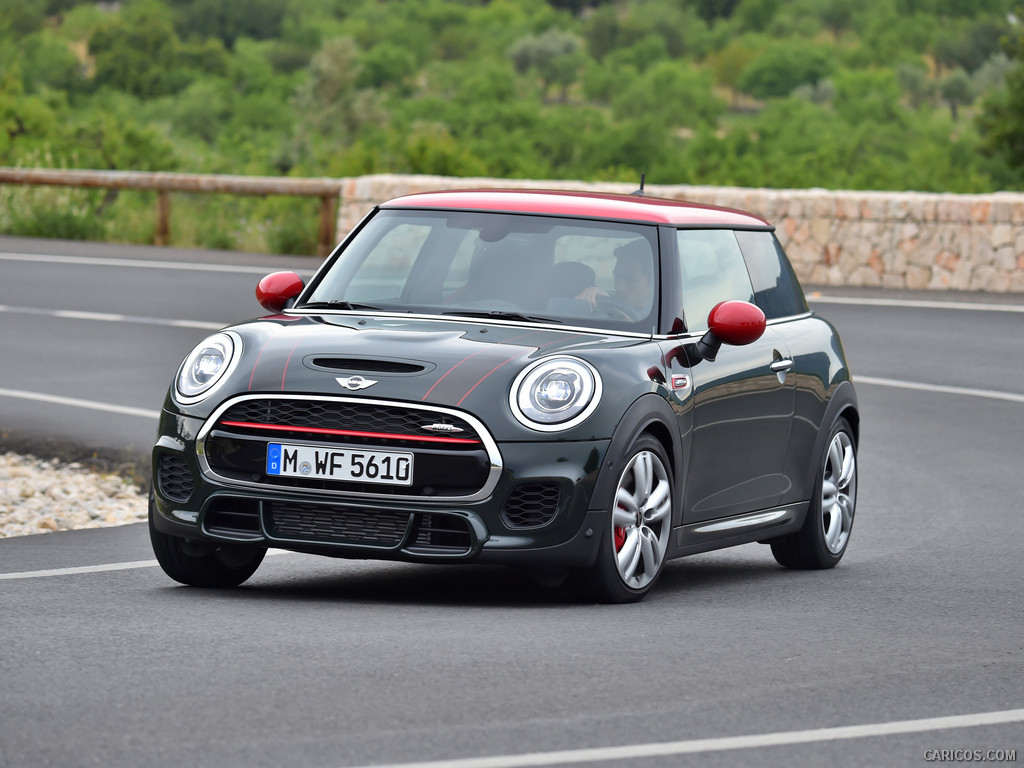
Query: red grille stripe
351	433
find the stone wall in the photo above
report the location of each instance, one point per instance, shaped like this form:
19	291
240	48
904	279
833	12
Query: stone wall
906	240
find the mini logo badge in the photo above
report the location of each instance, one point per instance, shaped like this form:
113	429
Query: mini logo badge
355	383
445	428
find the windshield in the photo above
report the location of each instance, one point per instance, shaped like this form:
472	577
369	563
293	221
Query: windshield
521	267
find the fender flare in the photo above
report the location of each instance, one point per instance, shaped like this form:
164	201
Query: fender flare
648	413
843	401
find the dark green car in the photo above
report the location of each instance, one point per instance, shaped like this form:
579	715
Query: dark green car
582	385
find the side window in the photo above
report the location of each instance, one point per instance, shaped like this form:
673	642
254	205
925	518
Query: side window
776	290
712	270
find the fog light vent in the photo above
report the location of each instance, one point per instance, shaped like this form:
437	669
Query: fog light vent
531	505
174	477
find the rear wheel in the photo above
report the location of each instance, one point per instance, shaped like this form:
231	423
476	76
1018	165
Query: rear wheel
634	543
200	563
826	531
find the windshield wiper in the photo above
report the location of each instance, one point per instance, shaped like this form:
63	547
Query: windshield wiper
497	314
335	304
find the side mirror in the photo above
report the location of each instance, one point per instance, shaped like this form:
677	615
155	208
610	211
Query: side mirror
276	291
730	322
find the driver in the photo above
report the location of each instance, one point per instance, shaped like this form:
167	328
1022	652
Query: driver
634	281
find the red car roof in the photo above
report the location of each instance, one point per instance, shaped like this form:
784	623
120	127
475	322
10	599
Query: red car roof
586	204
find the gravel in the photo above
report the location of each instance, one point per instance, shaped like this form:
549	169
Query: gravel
38	496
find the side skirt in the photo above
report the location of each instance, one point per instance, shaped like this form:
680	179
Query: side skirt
741	529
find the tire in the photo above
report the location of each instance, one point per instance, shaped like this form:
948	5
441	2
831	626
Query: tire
635	540
825	534
201	564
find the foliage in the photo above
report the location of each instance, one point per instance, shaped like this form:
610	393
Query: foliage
902	94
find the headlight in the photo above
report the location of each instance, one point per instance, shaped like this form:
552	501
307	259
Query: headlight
206	365
555	394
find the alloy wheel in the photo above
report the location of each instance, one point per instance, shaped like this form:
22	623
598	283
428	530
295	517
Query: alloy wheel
838	492
641	519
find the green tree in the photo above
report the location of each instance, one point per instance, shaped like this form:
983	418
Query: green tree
330	99
554	56
229	20
837	16
136	51
913	79
385	65
25	120
784	66
871	96
957	91
671	93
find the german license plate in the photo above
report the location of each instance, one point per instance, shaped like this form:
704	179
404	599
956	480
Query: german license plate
345	464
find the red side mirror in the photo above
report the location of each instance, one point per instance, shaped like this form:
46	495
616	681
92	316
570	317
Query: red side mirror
730	322
274	291
736	322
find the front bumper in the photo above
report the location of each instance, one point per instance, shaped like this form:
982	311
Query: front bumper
535	510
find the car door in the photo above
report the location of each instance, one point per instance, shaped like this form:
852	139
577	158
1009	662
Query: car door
813	346
743	402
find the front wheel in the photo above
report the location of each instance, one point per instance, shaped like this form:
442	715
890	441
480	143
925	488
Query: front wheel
822	540
635	540
199	564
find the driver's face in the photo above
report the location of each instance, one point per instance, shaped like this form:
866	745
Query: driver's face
633	286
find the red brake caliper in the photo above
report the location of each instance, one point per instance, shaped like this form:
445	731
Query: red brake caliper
620	538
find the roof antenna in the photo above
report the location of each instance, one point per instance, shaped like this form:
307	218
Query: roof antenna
640	192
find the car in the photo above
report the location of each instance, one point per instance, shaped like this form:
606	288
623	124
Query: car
582	385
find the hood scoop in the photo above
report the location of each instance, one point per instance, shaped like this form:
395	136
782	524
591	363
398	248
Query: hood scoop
366	365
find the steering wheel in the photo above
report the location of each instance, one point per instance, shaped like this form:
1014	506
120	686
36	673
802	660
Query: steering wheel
617	307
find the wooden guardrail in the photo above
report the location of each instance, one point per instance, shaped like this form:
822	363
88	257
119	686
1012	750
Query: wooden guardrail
328	190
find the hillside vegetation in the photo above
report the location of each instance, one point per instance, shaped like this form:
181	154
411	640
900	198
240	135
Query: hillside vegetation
882	94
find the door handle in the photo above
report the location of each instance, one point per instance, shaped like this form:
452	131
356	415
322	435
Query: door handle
781	365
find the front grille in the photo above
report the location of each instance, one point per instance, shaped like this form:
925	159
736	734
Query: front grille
396	422
174	477
450	457
335	524
531	505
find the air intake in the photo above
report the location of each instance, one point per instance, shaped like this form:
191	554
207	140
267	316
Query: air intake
366	366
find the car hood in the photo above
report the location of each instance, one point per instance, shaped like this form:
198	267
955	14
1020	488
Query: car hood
462	364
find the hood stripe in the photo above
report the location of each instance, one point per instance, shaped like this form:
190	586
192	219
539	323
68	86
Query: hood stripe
470	357
458	400
257	362
288	361
486	375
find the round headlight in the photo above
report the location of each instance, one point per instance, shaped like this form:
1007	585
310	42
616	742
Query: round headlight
206	365
555	394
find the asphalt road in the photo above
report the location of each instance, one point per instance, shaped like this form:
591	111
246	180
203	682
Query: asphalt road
912	646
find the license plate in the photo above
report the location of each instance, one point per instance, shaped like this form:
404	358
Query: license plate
347	465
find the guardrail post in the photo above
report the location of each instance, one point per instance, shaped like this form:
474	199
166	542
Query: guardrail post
325	238
162	236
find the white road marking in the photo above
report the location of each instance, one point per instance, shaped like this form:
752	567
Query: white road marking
111	318
92	261
79	403
79	569
722	744
1013	397
99	568
917	304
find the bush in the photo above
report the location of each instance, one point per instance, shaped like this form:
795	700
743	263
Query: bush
56	212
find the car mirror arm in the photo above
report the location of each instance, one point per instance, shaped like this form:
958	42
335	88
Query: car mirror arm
707	348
